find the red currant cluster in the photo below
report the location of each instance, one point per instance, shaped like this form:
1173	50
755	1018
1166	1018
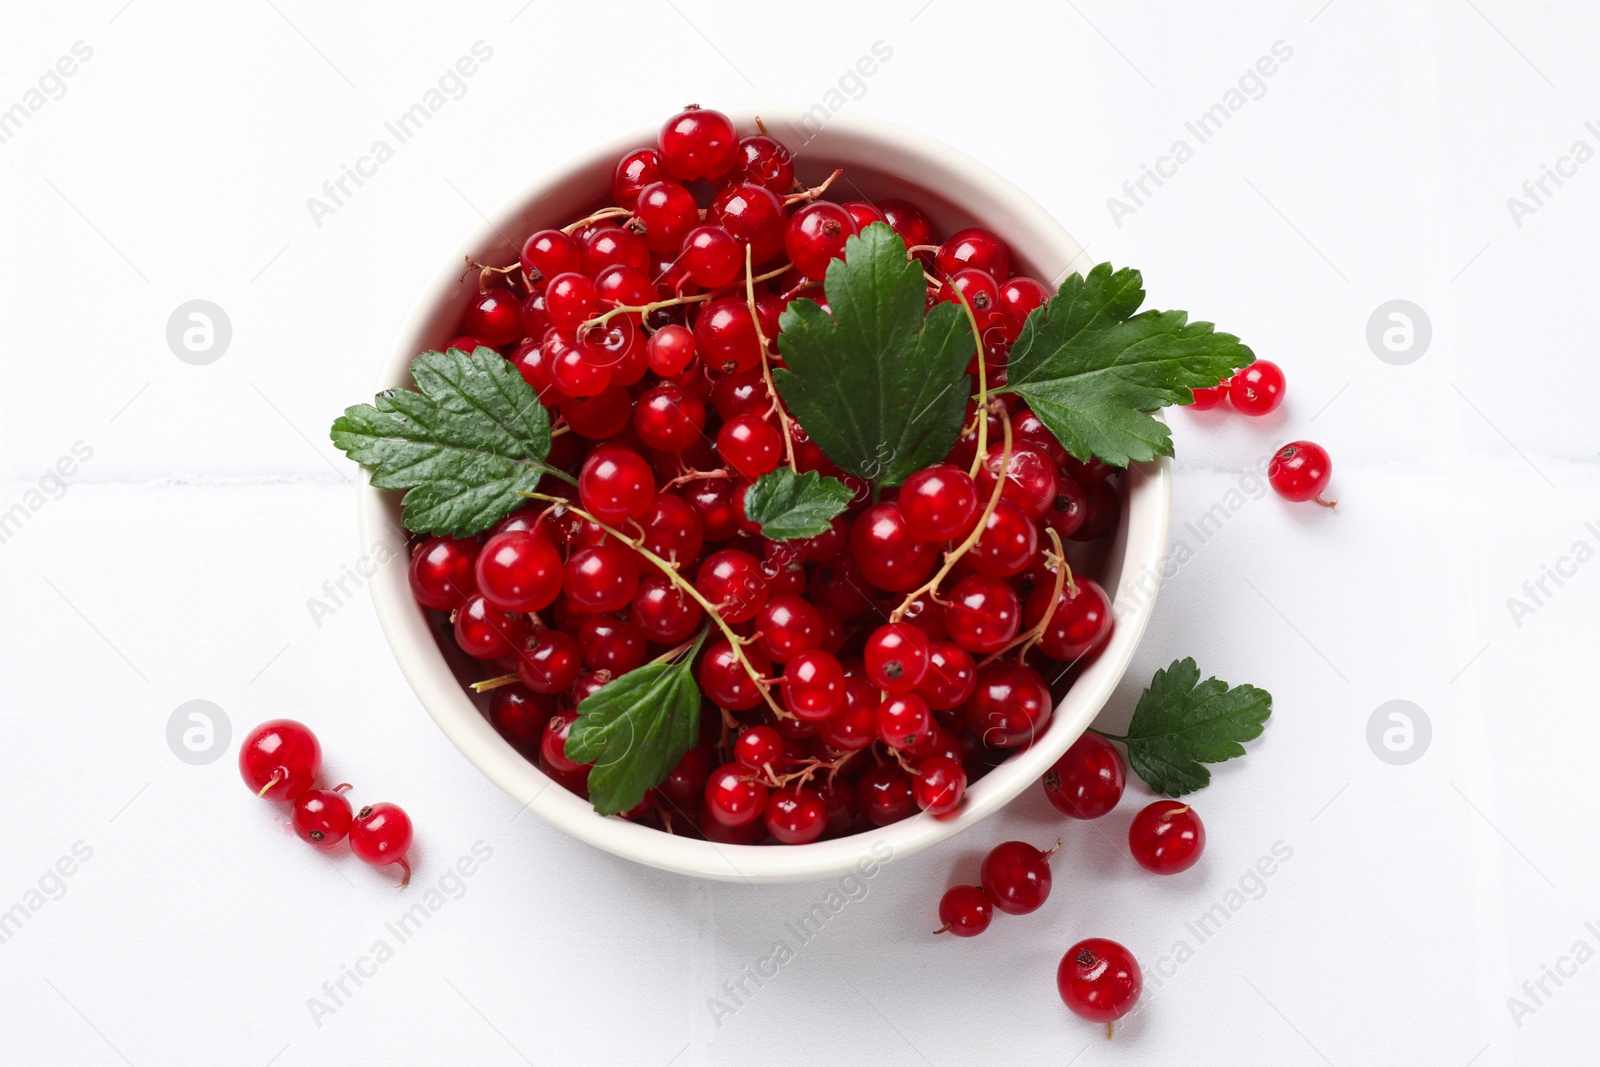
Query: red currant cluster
280	760
862	674
1300	470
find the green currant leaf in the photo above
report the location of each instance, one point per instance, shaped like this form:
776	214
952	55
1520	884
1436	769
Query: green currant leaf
635	729
1093	370
464	443
788	506
1182	723
880	387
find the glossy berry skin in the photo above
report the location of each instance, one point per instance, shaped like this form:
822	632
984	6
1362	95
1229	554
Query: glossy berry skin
663	613
550	252
911	224
698	142
788	625
982	614
796	815
321	816
1082	622
939	785
280	759
381	834
896	656
765	161
634	171
939	503
711	257
570	299
1258	389
750	444
725	337
951	678
754	216
667	211
601	578
672	528
1167	837
732	582
813	685
733	797
884	795
483	631
890	556
904	720
442	572
974	247
1206	399
669	418
1018	297
1030	478
1009	540
494	317
758	748
519	715
1300	471
1010	706
855	725
608	644
1099	980
816	235
1087	781
609	246
724	680
670	351
550	664
519	571
616	484
965	911
553	745
1016	876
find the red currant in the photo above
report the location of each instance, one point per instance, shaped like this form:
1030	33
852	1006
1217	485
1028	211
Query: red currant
724	680
663	612
816	235
1208	398
1300	471
670	351
890	556
1008	541
609	644
732	581
1099	980
1030	478
939	785
951	678
884	795
601	578
908	221
734	797
494	317
711	257
982	614
1167	837
1010	706
788	625
550	252
725	336
1086	782
442	572
813	685
754	216
1016	876
279	759
672	529
974	247
570	299
750	444
381	835
896	657
667	211
613	246
322	816
758	748
903	720
767	162
1018	298
634	171
698	143
796	815
939	503
519	571
550	663
1082	622
519	715
485	632
965	911
1258	388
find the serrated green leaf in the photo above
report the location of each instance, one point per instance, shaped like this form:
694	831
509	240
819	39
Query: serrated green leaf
463	444
635	729
787	505
1182	723
880	387
1092	369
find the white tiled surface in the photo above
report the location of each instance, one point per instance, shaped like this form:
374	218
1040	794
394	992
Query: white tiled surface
1375	164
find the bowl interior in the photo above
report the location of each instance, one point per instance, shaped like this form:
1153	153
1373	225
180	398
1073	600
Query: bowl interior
879	161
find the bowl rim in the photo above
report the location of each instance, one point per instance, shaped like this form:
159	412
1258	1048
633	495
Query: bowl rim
1143	536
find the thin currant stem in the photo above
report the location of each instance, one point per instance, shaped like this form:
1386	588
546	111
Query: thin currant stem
931	586
1036	633
813	192
766	362
694	642
983	389
656	305
598	216
494	683
682	583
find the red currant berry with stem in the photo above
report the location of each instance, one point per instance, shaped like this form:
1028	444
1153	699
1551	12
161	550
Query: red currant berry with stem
816	235
734	797
1082	622
1030	478
758	749
1070	509
669	418
753	215
494	317
912	226
904	720
1206	399
813	685
485	632
550	664
634	171
442	572
587	686
796	815
750	444
766	161
890	556
741	393
601	578
787	626
597	417
1258	389
279	759
1086	782
624	285
1018	298
570	299
1167	837
322	816
951	678
616	347
1010	706
381	835
939	785
724	680
667	211
974	247
610	645
981	294
613	246
725	336
982	614
519	571
939	503
663	612
732	581
1016	876
710	257
1008	541
553	745
1102	511
616	484
1099	980
698	142
965	911
575	375
855	725
896	656
1300	471
884	795
712	499
550	252
670	350
1027	428
519	714
672	529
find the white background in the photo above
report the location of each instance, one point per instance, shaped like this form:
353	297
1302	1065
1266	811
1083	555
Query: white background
1376	165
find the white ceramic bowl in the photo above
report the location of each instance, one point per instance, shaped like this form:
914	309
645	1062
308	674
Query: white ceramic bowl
880	160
